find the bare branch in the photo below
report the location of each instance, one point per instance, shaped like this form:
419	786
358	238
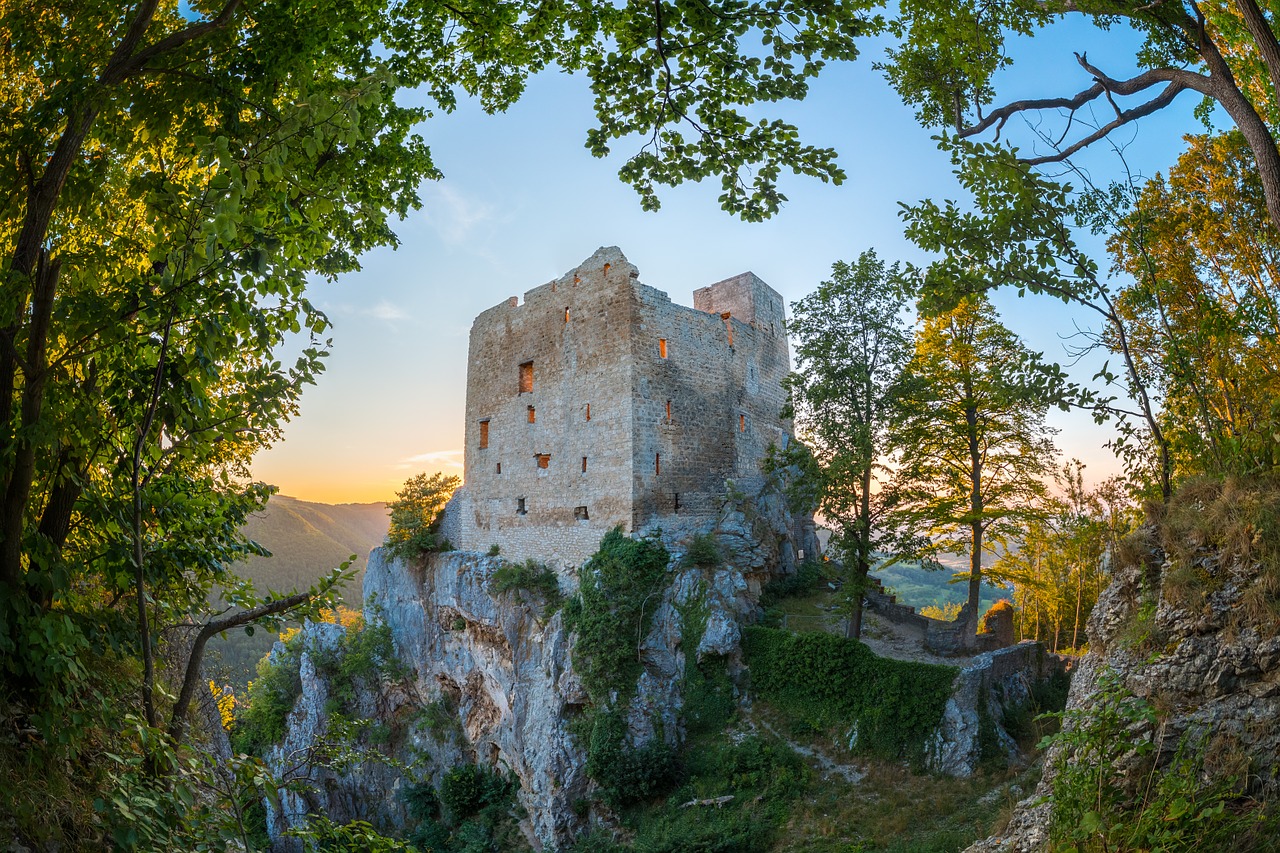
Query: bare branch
1176	78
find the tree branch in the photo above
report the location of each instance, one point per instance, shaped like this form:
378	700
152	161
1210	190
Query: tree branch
178	720
1177	78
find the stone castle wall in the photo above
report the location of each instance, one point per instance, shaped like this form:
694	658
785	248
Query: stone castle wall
598	402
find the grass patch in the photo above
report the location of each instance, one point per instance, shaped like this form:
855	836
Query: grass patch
1213	525
894	811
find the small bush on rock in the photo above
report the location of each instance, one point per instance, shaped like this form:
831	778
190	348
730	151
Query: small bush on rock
415	515
531	576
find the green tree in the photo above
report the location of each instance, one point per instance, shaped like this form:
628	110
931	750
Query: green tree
415	514
1228	53
1021	232
1203	307
852	343
970	432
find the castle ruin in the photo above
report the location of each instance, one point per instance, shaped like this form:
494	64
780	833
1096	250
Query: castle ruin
598	402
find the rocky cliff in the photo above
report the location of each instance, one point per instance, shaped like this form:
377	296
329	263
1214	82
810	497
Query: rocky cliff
488	677
496	672
1184	667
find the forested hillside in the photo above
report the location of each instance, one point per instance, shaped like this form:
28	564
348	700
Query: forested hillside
306	541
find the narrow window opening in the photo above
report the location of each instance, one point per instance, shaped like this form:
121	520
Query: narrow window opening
607	266
742	423
498	468
668	411
533	415
588	411
727	327
520	507
566	315
580	513
584	464
662	347
657	463
484	434
544	459
526	377
677	507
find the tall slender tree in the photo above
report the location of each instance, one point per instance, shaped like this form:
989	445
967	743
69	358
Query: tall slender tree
852	343
970	430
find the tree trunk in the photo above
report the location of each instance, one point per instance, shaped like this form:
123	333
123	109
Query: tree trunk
975	525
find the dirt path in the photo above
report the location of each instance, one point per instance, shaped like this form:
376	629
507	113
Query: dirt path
828	766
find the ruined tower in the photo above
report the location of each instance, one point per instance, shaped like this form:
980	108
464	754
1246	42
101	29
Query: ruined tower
598	402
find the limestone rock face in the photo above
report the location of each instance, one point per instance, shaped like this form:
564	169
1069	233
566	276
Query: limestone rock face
1212	672
507	670
987	687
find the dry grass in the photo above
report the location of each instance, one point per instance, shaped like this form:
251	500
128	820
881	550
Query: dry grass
895	811
1213	530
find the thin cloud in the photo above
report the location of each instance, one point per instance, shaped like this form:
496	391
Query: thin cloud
436	459
385	310
453	215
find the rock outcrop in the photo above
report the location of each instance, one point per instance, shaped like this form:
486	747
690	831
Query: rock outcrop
994	685
1186	637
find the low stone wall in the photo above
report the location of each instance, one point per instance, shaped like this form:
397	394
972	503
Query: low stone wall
939	637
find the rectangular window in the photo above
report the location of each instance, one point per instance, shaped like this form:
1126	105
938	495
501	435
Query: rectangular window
526	377
588	411
584	464
662	347
484	434
520	508
742	423
533	415
657	463
668	410
580	513
498	468
566	315
544	459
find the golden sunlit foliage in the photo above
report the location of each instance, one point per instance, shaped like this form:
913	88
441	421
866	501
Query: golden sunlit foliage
1204	309
225	699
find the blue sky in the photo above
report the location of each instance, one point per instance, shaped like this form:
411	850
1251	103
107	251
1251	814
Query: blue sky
523	202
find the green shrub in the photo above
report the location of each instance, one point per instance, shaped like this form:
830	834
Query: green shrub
1112	791
260	722
477	818
466	790
415	515
828	681
361	656
704	551
322	835
628	774
760	777
802	581
530	576
613	611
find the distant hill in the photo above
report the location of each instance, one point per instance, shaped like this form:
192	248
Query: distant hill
917	587
306	541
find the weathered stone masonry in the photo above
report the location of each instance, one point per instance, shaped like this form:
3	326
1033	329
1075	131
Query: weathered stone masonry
599	402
